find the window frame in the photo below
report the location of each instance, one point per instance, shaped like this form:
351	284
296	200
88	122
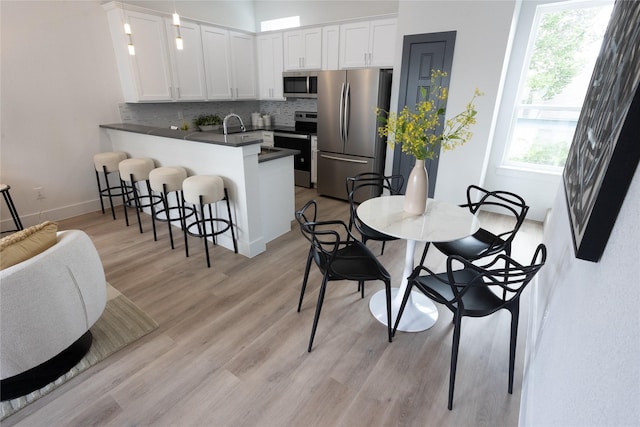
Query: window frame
521	51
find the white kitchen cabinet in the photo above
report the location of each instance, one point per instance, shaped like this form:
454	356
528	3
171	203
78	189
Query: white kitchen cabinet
189	83
270	66
215	46
243	65
303	49
229	64
145	76
330	47
367	43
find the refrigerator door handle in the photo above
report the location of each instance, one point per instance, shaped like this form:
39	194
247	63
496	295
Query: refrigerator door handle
341	114
346	112
342	159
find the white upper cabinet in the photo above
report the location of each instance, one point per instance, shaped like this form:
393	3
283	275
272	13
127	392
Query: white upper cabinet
330	47
303	49
270	66
217	63
189	82
367	43
145	76
229	64
243	65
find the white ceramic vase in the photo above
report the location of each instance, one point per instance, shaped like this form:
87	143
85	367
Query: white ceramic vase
415	196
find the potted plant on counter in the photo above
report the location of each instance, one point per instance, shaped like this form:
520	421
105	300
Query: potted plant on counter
207	122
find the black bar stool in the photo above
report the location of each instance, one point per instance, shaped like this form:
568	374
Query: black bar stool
12	208
201	190
134	178
107	163
166	180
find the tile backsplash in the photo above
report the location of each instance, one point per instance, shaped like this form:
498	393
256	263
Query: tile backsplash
176	113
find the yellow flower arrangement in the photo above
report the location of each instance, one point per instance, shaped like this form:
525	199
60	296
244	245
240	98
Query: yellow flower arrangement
416	131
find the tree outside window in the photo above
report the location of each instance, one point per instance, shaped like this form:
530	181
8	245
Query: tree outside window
563	47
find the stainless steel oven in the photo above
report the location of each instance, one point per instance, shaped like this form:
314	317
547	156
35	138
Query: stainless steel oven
299	138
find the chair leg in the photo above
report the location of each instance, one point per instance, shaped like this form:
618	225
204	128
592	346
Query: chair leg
361	287
106	180
185	229
515	310
167	212
405	298
152	207
136	202
424	253
454	356
233	234
306	276
318	309
382	250
125	197
204	226
100	191
387	289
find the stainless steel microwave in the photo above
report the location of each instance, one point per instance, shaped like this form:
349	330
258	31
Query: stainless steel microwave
300	84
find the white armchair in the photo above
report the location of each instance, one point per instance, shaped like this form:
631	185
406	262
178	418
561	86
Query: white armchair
47	303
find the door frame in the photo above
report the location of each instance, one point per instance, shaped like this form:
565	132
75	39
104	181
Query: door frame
403	163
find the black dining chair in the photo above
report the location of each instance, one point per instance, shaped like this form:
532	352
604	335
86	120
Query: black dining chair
474	291
339	256
483	242
362	187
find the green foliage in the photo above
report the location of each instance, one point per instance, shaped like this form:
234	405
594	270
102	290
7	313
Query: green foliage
555	60
207	120
416	132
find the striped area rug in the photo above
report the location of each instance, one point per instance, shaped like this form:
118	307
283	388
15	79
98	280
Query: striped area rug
121	324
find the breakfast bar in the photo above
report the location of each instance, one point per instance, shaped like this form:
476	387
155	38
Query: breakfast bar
260	180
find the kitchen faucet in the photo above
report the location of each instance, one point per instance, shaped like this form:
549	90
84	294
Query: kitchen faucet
224	123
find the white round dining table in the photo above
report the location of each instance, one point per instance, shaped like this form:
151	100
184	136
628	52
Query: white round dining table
442	222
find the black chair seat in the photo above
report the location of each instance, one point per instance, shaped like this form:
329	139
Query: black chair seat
473	247
484	243
357	262
478	300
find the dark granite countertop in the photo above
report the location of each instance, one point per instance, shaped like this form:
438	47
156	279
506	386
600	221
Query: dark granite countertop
235	137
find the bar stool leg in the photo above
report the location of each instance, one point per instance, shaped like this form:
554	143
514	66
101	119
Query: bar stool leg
153	215
106	180
204	226
100	191
233	234
12	209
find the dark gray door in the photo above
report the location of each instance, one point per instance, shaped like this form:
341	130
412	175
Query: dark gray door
421	53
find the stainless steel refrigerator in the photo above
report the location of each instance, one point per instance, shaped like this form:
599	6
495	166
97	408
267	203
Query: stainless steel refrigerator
348	141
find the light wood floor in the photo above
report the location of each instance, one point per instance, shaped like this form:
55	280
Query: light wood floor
231	348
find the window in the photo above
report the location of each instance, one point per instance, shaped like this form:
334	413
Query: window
280	23
563	47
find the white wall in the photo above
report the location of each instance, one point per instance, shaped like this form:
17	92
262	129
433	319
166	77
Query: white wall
483	29
238	14
583	350
58	82
314	12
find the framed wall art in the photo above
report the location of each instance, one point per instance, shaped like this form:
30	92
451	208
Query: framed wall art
605	150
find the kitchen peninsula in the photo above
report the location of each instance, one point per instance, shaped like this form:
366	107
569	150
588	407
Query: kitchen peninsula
260	184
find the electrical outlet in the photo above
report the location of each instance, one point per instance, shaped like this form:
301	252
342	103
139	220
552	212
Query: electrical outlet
39	193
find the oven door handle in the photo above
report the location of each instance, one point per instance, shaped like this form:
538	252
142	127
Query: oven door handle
291	135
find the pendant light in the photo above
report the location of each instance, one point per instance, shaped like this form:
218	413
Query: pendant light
127	31
176	23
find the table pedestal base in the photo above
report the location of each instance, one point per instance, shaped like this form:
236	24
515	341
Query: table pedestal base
420	313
